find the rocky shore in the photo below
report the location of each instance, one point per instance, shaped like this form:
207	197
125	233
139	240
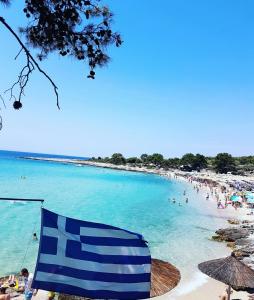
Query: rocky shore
240	238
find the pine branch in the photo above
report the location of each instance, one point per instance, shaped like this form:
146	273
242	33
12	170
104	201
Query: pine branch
30	66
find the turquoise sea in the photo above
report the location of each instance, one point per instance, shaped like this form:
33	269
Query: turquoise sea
134	201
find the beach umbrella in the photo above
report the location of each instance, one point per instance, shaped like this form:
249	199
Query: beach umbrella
164	277
250	200
249	195
236	198
230	271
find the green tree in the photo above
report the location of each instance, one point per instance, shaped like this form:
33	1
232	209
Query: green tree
133	160
144	157
173	162
118	159
199	162
246	160
188	159
224	162
156	159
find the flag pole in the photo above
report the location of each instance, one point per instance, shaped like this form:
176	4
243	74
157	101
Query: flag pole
22	199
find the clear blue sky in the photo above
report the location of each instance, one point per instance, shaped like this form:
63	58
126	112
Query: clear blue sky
182	82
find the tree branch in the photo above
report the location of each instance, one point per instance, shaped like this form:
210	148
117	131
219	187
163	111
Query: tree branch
31	62
3	104
18	53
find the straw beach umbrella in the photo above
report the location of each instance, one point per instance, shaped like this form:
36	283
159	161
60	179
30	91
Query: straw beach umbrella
164	277
230	271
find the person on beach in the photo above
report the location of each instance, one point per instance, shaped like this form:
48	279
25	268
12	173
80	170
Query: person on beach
11	281
219	204
187	200
224	296
207	196
51	295
27	289
4	296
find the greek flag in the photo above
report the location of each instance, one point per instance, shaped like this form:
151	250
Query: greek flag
91	260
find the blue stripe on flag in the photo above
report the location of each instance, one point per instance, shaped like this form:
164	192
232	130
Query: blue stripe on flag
73	250
112	241
93	285
97	294
97	276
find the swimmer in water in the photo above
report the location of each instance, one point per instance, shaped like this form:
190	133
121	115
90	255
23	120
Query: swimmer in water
184	193
179	204
35	237
186	200
174	200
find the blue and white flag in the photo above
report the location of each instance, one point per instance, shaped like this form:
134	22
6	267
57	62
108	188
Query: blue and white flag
91	260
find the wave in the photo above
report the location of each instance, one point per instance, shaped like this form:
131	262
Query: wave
196	281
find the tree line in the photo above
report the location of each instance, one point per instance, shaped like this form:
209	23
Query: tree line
221	163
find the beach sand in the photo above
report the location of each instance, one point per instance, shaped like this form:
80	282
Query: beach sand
211	290
208	291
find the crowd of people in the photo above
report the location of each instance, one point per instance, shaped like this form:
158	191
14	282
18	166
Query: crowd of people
21	284
224	195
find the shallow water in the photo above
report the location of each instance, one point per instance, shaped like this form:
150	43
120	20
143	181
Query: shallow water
134	201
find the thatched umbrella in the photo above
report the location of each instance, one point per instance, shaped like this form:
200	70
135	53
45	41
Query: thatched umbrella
230	271
164	278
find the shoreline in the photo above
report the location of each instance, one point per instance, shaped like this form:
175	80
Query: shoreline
80	163
197	287
220	179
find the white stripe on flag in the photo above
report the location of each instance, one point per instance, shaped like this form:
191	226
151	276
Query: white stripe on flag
93	266
107	233
116	250
93	285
